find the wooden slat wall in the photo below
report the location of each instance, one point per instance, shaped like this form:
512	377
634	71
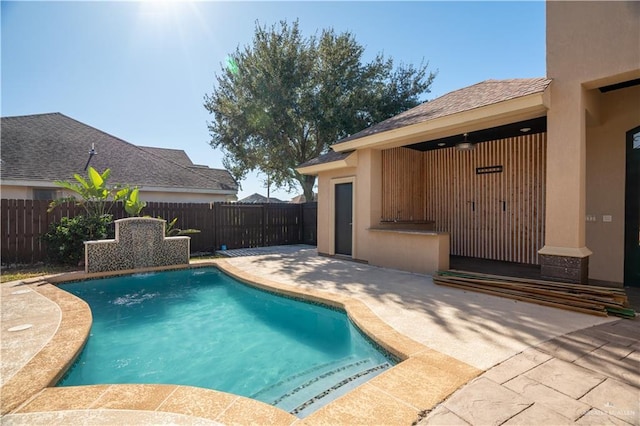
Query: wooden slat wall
496	216
403	182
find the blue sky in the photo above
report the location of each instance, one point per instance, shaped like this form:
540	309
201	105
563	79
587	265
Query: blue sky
140	70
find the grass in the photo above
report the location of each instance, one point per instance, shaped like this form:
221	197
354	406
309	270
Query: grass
32	271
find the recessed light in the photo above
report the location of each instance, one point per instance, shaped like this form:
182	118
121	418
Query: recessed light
525	129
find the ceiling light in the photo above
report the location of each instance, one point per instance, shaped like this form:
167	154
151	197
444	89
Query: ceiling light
525	129
465	145
441	144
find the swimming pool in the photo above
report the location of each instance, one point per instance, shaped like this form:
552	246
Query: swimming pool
200	327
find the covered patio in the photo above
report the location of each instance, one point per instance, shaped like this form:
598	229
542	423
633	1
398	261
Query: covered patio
462	175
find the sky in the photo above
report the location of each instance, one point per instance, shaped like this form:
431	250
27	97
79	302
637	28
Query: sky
139	70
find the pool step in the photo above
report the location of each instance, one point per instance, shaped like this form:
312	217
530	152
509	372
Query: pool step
338	390
312	391
271	394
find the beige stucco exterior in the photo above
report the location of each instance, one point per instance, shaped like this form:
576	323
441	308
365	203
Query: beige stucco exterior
590	45
605	182
424	252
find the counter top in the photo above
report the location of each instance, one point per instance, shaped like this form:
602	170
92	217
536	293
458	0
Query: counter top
406	230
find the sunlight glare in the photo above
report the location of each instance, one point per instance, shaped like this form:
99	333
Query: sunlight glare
158	12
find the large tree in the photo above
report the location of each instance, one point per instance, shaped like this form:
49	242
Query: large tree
285	99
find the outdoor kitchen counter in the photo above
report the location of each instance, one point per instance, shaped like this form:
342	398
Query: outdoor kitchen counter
408	225
414	247
406	231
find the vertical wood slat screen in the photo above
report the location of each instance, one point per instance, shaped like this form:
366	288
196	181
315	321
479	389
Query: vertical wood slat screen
403	181
496	216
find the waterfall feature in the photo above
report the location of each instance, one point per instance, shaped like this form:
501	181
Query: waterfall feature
139	244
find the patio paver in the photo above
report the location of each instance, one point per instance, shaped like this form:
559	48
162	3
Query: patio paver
548	397
538	414
484	402
617	399
565	377
555	386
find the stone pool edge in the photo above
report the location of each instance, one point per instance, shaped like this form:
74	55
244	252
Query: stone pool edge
424	378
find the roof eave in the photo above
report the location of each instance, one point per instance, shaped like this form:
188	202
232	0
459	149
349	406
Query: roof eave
505	112
349	161
143	188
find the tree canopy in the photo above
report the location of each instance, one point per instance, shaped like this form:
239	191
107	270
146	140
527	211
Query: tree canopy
284	99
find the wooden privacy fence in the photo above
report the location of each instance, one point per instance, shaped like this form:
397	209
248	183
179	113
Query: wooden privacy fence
231	224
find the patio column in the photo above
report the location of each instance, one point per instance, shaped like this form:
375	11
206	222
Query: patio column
368	198
565	256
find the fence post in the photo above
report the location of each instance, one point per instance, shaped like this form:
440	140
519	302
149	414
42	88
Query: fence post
216	225
263	235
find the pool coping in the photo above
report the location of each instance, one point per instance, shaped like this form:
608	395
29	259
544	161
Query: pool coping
422	379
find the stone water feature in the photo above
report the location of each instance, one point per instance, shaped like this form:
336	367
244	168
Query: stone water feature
139	243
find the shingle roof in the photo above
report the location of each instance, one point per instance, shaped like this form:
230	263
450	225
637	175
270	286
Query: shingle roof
326	158
259	199
482	94
53	146
175	155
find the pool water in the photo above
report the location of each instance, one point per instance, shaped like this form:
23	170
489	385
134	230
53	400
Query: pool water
200	327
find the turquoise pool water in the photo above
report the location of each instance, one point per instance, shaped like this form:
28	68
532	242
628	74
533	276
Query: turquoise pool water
200	327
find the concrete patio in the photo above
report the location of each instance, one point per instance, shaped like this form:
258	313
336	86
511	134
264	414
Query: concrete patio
542	365
478	329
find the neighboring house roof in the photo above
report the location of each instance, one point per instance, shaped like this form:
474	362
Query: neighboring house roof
175	155
299	199
48	147
485	93
259	199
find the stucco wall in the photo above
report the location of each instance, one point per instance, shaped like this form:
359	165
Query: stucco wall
184	197
325	207
620	112
15	192
589	45
368	201
422	252
592	40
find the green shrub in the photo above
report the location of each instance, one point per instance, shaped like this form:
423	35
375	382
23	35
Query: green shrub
65	240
